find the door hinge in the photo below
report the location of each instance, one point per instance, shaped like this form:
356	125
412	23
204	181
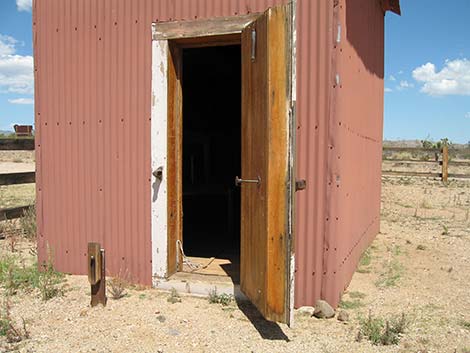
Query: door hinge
253	44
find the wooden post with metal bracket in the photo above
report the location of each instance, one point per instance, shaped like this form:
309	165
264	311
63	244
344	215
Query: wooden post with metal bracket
97	274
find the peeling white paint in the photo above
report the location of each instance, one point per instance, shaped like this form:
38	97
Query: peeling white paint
159	111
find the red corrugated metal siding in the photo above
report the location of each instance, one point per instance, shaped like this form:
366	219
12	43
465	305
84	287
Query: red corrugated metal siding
355	143
93	61
314	49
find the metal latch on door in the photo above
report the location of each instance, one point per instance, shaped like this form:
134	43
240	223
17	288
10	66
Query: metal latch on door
239	181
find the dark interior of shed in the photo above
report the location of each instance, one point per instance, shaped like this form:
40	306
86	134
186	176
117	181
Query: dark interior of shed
212	158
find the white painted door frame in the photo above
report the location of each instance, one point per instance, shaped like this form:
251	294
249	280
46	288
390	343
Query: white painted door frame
159	118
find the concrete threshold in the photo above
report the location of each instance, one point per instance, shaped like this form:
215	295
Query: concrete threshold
199	285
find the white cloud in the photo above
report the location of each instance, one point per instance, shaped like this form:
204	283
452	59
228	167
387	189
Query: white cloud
16	71
404	85
7	45
21	101
467	115
392	78
453	79
24	5
387	90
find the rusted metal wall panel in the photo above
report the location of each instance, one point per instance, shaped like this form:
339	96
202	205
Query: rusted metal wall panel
315	38
93	78
92	62
355	142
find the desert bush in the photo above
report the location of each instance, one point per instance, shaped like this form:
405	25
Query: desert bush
15	275
118	285
28	222
9	231
350	304
465	324
381	331
445	230
174	297
50	282
393	271
365	261
8	327
216	298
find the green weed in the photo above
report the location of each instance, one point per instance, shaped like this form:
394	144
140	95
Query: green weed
465	324
174	297
350	304
28	222
15	276
215	298
392	274
381	331
356	295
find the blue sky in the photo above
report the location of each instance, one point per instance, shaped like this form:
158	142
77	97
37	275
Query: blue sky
427	66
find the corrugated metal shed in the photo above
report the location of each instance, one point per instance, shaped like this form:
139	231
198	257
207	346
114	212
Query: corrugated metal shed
93	78
354	142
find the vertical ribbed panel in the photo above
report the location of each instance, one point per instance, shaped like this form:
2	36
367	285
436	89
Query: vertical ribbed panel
314	45
93	124
92	96
355	141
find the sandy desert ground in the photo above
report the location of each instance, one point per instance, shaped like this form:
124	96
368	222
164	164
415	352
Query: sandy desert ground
418	265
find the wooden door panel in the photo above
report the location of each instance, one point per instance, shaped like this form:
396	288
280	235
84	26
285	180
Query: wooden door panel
264	234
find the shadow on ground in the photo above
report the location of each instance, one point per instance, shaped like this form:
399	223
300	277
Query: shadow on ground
267	329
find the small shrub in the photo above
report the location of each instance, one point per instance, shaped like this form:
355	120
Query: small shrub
14	276
366	258
420	247
445	230
391	275
365	262
351	304
465	324
118	284
382	332
215	298
28	222
425	204
356	295
174	297
50	282
12	242
8	328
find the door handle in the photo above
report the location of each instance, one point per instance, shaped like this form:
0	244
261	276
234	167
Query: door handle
239	181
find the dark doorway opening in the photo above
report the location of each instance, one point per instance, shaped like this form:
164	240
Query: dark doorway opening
212	159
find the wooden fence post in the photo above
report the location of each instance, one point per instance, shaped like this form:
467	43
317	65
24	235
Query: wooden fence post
445	163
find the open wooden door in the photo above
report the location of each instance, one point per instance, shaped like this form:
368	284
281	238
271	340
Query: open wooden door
265	183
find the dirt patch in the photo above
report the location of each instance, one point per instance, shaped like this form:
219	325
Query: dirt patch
17	195
418	265
17	156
